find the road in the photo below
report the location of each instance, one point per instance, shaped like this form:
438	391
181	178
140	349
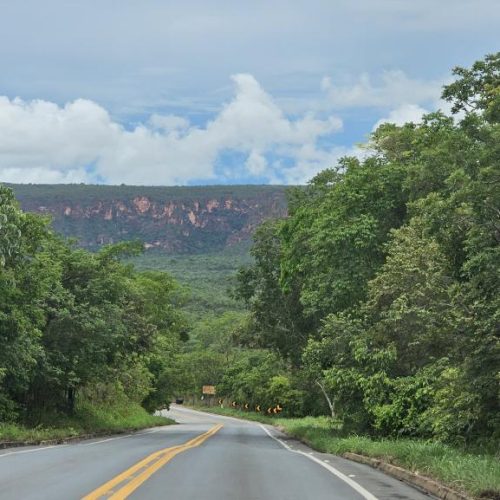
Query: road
205	457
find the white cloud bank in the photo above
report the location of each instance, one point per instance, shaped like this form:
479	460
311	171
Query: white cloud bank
391	89
79	142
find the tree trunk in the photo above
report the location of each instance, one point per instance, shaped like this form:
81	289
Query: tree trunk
331	405
71	400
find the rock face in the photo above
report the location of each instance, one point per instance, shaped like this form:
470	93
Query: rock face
175	219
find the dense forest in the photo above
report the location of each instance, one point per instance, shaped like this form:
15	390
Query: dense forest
78	328
377	299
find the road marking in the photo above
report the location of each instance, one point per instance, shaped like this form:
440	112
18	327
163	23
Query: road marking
214	415
106	440
32	451
150	431
62	445
134	476
353	484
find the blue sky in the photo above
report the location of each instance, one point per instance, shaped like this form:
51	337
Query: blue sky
204	92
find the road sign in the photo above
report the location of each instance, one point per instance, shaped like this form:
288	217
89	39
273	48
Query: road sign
209	390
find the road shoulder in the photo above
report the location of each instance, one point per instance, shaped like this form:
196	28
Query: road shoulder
380	484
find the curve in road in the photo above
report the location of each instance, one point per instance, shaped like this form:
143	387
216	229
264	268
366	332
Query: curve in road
205	457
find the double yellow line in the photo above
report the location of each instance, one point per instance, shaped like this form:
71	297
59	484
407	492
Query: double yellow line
143	470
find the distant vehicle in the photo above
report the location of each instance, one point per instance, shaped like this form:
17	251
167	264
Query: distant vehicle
179	401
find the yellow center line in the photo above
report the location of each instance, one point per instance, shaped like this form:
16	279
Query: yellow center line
144	469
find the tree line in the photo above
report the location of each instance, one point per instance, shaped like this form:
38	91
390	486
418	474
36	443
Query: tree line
75	324
380	290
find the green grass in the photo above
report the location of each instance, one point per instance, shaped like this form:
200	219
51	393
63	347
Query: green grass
468	472
87	420
477	474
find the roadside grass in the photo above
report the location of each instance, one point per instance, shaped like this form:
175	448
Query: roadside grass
88	419
474	473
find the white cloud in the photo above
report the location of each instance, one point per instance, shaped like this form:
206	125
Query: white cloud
256	163
403	114
168	123
43	142
40	175
310	161
393	88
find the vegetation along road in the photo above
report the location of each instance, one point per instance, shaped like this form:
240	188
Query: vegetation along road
367	312
206	456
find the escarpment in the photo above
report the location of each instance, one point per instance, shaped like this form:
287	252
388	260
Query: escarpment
174	219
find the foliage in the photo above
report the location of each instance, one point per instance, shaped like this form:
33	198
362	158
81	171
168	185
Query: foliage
72	321
206	277
89	418
382	284
259	377
84	193
278	321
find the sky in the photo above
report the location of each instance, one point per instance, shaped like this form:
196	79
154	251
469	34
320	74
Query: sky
159	92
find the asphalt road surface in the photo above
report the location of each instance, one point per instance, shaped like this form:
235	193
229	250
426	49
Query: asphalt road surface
206	457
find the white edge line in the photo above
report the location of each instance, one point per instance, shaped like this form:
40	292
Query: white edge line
214	415
149	431
105	440
353	484
31	451
19	452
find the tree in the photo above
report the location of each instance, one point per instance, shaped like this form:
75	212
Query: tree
390	265
278	322
71	320
477	88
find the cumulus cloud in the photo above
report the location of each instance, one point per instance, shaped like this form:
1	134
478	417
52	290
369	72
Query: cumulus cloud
256	163
43	142
168	123
310	161
40	175
391	89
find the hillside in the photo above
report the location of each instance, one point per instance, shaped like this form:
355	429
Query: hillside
176	220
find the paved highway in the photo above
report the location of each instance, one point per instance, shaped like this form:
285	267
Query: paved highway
205	457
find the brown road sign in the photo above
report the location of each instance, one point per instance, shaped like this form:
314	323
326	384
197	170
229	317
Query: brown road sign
209	390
